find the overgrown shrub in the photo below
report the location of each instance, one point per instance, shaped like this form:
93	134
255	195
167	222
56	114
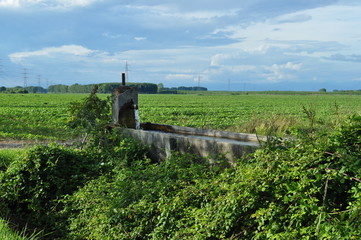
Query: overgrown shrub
32	186
127	204
307	188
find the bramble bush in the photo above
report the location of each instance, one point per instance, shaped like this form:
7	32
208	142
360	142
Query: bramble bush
32	186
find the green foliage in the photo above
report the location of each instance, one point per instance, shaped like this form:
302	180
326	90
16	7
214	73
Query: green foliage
7	156
128	203
103	88
91	114
32	186
303	189
7	233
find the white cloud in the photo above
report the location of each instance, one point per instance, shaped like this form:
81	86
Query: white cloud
282	71
140	38
331	23
48	4
179	76
74	50
9	3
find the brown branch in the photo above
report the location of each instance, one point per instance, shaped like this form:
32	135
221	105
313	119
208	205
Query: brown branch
345	174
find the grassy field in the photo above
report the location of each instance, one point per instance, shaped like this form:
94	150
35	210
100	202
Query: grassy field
44	116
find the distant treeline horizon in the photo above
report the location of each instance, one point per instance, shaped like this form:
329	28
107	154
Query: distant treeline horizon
149	88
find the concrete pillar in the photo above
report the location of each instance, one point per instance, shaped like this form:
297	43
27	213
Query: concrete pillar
125	102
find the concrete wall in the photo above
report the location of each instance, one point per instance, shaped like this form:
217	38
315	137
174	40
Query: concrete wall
163	144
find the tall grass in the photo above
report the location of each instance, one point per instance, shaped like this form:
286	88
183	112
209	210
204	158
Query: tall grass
6	233
7	155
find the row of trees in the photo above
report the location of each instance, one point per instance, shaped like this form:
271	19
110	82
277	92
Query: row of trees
162	89
18	89
103	88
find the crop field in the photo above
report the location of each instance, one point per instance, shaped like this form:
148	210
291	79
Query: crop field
44	116
246	113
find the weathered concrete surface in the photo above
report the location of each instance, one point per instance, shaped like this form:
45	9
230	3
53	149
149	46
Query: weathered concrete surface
202	132
164	143
125	102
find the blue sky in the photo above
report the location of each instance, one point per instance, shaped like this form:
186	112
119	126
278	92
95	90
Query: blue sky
222	45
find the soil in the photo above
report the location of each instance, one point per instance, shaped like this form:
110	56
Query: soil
30	143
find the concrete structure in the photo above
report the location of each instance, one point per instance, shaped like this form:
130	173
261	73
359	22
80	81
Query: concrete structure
214	145
125	105
166	139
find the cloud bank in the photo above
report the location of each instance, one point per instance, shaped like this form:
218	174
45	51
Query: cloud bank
254	45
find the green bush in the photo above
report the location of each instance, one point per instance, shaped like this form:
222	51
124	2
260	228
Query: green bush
127	203
307	188
7	233
7	156
32	186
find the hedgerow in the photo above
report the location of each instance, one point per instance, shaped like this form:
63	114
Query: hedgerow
32	187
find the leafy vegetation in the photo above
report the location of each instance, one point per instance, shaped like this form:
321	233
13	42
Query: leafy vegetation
103	88
7	233
91	114
308	187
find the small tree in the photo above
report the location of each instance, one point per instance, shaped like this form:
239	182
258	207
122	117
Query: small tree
92	114
323	90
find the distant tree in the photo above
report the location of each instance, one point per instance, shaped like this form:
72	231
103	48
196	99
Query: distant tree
33	89
59	88
323	90
160	87
2	89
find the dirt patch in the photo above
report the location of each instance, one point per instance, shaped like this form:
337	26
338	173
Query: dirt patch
30	143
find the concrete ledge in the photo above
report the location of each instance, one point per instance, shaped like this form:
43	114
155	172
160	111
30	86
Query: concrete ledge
202	132
164	143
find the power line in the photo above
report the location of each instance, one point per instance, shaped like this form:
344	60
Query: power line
1	68
39	80
126	70
25	76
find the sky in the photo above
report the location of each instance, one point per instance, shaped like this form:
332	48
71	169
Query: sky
236	45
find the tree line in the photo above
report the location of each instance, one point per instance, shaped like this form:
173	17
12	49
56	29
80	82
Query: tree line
103	88
19	89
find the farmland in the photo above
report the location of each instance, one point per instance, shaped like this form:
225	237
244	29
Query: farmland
44	116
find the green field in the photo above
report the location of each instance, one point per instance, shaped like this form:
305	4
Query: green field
44	116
